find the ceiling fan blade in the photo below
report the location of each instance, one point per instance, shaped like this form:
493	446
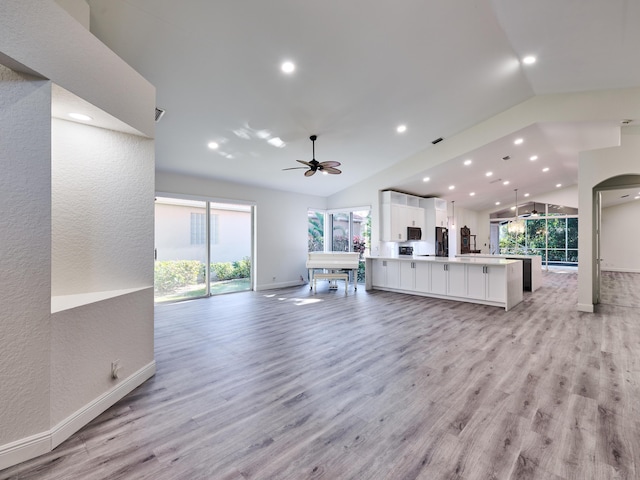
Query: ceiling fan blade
331	170
294	168
308	173
330	164
308	164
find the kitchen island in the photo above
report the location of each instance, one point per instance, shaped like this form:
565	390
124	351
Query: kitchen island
491	281
531	267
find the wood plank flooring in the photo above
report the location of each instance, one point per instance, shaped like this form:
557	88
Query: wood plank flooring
373	385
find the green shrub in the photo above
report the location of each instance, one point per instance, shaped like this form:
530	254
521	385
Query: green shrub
223	270
229	271
169	275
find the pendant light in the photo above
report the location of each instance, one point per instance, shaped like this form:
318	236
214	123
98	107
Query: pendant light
534	212
517	226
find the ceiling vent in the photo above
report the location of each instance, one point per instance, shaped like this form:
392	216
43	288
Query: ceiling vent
159	114
437	140
506	158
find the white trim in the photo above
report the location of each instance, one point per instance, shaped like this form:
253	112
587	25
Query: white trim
621	270
84	415
585	307
271	286
41	443
24	449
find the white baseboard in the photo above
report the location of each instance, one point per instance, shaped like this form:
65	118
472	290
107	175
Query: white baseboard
36	445
271	286
80	418
24	449
585	307
621	270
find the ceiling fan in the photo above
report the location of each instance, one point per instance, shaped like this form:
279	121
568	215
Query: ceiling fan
316	166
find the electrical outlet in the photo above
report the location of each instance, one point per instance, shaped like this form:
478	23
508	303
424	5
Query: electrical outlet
115	369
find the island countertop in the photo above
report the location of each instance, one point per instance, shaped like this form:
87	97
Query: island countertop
435	259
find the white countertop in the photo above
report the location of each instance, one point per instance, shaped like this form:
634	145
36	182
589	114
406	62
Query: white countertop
492	255
479	260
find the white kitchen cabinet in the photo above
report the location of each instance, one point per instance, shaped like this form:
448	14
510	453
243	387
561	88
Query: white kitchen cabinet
497	283
399	211
486	282
457	281
496	279
422	273
407	275
386	273
439	278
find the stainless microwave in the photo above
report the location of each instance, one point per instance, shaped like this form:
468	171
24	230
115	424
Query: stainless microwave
414	233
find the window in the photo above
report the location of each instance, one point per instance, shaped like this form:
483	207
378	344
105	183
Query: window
346	231
553	234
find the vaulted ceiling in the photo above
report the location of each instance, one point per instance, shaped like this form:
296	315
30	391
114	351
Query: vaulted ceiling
362	68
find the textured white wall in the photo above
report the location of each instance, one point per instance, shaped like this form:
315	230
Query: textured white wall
102	209
84	342
25	244
597	166
281	223
619	236
39	36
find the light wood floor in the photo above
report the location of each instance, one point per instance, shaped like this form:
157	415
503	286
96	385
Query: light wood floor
373	385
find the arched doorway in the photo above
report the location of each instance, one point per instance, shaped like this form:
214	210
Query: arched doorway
615	255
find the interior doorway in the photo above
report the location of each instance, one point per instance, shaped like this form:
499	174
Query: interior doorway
616	268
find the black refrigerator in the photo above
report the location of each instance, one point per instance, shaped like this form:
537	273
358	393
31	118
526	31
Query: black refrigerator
442	242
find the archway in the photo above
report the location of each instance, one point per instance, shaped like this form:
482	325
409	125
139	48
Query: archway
616	279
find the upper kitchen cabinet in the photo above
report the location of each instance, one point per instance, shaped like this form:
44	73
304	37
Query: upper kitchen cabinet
399	211
436	212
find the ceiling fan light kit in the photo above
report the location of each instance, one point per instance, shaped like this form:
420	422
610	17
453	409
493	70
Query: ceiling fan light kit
315	166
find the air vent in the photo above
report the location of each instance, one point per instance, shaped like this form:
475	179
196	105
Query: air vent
506	158
159	114
437	140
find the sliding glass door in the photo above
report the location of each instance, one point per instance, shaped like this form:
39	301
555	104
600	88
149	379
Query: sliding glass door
202	248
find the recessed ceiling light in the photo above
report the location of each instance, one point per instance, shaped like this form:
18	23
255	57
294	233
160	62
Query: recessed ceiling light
488	174
533	158
451	187
526	194
506	182
426	179
513	208
288	67
558	185
529	60
545	169
518	141
401	128
212	145
636	198
80	116
472	194
468	162
497	203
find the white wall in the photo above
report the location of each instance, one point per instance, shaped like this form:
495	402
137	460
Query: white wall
55	369
620	237
281	224
25	245
101	217
595	167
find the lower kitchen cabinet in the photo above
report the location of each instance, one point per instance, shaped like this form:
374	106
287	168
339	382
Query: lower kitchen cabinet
386	274
496	284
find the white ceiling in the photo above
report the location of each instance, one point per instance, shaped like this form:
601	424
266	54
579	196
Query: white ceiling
363	68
